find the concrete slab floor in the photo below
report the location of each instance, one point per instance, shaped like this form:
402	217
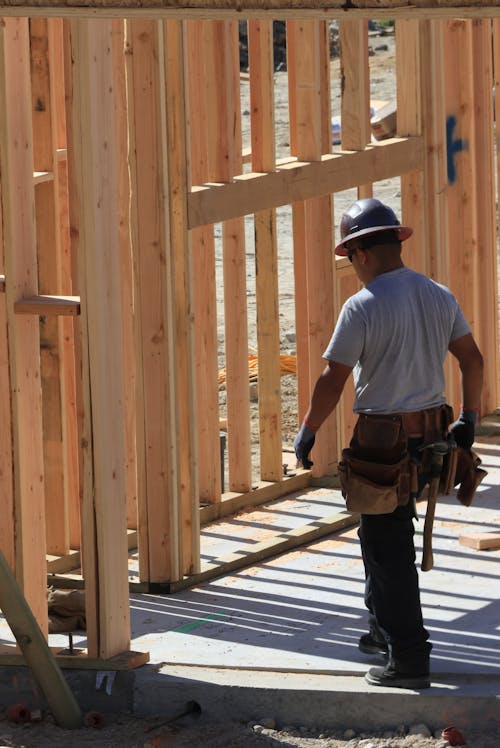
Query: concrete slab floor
282	635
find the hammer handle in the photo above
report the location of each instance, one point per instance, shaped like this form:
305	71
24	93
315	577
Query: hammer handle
427	557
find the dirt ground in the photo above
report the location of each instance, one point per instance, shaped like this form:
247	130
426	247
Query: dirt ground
124	731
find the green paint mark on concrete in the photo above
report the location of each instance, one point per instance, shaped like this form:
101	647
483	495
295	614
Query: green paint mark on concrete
190	626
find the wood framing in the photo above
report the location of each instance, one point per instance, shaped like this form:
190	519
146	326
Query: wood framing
266	254
136	162
20	263
217	9
104	507
303	179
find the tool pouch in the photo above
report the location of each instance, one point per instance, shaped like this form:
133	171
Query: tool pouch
468	475
370	487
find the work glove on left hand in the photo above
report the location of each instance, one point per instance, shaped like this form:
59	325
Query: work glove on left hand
303	443
464	428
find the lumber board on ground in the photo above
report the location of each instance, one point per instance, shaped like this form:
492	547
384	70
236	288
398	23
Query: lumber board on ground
72	560
481	541
301	180
19	240
281	543
260	493
79	659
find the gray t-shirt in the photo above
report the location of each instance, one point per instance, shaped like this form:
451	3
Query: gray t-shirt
395	333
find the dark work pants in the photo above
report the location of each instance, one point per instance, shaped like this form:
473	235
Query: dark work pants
392	593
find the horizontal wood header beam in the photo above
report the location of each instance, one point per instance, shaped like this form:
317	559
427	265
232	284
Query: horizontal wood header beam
278	9
47	305
297	180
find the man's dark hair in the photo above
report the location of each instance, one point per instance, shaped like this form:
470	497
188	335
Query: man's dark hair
389	236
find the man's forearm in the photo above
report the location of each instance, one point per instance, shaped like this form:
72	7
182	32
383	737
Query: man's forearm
472	384
326	394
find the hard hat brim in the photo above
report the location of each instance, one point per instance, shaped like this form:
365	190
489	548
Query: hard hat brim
404	233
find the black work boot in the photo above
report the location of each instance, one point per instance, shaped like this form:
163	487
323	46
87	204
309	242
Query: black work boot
368	644
393	678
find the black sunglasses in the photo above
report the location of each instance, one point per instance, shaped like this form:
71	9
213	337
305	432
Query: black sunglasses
350	252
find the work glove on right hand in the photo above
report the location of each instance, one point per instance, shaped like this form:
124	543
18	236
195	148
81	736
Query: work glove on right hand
464	428
303	443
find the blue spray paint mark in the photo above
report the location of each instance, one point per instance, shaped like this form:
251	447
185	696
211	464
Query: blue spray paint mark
453	147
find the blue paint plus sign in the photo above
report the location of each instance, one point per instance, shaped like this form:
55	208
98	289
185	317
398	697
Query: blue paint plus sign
453	147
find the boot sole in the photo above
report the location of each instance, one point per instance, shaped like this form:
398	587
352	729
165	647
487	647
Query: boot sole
373	650
414	684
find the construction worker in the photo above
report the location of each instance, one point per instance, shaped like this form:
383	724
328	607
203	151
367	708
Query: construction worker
393	335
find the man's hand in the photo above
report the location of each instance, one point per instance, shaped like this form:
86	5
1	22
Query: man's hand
303	443
464	428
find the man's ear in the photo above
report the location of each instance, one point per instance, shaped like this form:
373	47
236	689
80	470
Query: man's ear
362	255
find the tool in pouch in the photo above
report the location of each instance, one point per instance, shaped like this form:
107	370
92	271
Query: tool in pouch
439	450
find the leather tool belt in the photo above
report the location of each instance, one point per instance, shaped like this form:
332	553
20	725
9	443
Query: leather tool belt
376	472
